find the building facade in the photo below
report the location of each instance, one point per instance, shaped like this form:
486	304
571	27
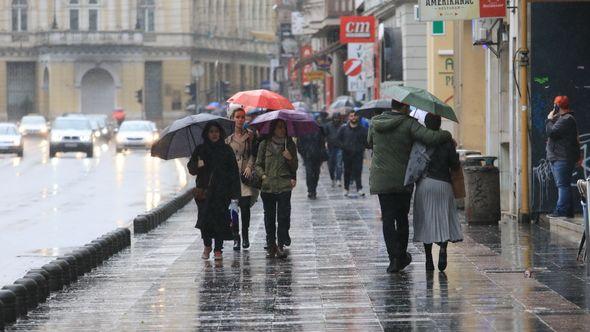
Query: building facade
93	56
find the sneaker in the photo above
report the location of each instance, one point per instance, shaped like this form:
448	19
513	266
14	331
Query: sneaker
360	193
245	240
206	253
237	243
218	255
281	253
313	196
338	183
271	252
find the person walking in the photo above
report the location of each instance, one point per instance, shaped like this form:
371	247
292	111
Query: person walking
563	152
312	148
277	165
242	142
218	183
334	150
352	138
435	214
391	135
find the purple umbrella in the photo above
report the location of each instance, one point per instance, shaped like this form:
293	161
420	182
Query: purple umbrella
298	123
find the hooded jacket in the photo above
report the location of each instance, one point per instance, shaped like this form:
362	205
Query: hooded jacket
391	136
563	143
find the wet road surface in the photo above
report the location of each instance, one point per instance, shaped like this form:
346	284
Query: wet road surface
334	279
48	205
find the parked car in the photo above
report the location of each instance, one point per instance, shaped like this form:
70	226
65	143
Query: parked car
33	125
10	139
136	134
71	134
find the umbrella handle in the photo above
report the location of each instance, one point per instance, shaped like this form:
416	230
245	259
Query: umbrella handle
192	138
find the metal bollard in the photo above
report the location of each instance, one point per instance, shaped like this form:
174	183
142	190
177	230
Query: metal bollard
21	298
96	254
482	184
32	291
82	264
140	224
67	271
55	271
73	262
8	299
42	285
87	261
104	246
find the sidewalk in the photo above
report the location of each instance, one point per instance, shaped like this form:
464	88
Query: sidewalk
334	279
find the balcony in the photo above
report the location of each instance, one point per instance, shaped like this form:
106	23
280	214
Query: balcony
72	38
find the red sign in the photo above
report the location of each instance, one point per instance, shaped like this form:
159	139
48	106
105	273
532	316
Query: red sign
492	8
357	29
353	67
306	52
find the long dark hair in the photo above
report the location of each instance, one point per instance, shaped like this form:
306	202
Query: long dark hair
208	126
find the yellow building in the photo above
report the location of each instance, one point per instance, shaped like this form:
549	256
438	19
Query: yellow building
92	56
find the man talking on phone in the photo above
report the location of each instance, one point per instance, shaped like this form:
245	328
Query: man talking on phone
563	152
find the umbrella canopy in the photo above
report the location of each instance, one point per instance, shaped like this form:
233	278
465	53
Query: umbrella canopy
261	98
374	107
423	100
342	104
298	123
301	106
181	138
213	106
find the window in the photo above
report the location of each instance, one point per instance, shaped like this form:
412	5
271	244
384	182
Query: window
19	15
93	15
74	15
146	15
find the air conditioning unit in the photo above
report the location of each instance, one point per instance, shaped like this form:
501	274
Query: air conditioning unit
482	31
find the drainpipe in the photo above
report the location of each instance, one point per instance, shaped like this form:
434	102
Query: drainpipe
524	213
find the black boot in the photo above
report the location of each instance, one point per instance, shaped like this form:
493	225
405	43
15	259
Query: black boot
237	242
428	252
442	256
245	239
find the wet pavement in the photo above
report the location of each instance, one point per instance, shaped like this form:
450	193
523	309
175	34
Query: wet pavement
333	279
49	205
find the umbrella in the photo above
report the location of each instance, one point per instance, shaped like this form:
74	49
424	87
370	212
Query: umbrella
213	106
301	106
183	135
261	98
374	107
254	111
342	104
298	123
423	100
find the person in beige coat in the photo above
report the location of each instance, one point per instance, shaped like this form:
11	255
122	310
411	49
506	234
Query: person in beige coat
243	143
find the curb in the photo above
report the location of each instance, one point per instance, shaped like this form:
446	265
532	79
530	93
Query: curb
36	285
146	222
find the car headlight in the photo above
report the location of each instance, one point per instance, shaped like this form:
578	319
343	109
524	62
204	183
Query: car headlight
55	137
21	130
120	139
97	134
149	139
43	130
16	141
104	131
85	138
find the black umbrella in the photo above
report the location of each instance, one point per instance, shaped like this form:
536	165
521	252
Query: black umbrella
374	107
180	138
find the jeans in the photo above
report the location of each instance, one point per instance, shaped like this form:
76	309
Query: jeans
335	163
244	204
277	210
562	173
394	213
353	169
312	174
209	241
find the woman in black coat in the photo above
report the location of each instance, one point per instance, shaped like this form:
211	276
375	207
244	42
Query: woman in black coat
218	182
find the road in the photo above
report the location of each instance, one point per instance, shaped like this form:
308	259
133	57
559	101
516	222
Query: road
48	206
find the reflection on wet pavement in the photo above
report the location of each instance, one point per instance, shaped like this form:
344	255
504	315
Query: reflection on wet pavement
334	279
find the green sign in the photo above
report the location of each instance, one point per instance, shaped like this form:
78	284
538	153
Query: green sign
438	27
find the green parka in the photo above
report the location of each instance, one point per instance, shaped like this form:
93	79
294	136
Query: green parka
278	171
391	136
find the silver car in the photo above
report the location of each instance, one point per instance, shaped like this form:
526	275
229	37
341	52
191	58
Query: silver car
33	125
136	134
71	134
11	140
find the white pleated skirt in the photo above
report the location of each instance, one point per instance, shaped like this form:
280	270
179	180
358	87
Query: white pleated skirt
435	213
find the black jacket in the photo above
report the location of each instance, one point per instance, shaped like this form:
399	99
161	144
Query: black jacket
331	131
352	140
563	143
312	147
443	159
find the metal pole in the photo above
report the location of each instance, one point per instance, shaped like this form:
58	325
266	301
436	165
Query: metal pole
524	213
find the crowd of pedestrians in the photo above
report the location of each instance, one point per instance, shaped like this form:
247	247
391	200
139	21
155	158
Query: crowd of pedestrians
235	170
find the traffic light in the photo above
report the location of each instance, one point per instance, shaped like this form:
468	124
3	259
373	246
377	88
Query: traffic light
191	90
139	96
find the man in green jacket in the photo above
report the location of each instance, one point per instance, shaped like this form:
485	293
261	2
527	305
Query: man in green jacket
391	136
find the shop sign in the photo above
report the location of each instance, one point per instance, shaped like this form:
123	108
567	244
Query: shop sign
443	10
357	29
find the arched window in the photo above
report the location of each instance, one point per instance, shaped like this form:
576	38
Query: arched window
146	15
19	15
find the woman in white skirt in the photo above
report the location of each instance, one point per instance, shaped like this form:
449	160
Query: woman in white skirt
435	213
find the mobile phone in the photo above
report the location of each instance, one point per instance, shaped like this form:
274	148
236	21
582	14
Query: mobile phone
555	108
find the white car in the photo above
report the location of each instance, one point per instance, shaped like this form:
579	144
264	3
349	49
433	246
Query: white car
11	140
33	125
71	134
136	134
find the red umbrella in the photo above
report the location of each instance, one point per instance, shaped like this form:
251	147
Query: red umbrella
261	99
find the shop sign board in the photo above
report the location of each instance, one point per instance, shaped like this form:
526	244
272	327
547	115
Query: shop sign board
357	29
443	10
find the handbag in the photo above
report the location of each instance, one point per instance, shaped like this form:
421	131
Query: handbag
254	181
458	182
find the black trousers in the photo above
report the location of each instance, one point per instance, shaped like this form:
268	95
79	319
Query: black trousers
394	213
244	204
353	169
208	242
312	174
277	210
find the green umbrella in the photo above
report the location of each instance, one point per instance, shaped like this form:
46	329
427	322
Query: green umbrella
421	99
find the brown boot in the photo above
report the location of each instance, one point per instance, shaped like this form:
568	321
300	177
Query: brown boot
271	250
206	252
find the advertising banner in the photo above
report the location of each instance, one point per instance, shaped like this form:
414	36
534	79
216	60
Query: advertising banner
444	10
359	67
357	29
306	52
